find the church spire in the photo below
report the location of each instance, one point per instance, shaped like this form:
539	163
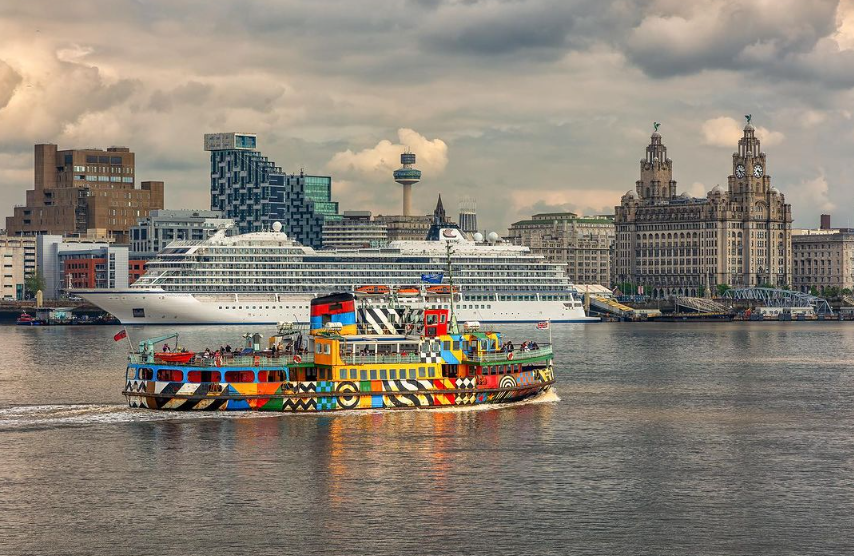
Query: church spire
439	212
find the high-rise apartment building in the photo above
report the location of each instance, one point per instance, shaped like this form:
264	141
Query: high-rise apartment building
581	243
78	190
253	191
678	245
307	206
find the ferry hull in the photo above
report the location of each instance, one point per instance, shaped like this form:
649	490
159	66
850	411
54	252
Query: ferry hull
159	307
330	396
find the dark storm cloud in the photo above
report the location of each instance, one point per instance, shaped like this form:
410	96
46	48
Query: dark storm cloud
502	31
776	40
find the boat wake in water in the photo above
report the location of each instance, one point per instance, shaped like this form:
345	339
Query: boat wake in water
50	416
60	415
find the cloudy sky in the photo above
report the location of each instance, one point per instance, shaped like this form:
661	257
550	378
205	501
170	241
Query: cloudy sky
525	106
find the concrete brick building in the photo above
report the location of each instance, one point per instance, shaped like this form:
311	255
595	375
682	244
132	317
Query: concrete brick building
154	232
83	189
18	260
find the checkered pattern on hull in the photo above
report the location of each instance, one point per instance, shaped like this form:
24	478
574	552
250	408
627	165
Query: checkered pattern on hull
431	357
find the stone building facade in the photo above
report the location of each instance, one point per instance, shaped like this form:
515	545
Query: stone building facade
823	259
78	190
415	228
357	229
583	244
676	245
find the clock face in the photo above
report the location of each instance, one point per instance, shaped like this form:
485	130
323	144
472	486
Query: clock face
757	170
739	171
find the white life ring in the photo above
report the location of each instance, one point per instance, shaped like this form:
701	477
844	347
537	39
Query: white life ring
297	359
510	356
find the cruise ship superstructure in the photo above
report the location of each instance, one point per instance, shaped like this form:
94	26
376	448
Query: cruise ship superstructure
266	278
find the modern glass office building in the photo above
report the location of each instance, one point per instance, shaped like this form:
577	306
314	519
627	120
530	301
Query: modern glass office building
253	191
307	206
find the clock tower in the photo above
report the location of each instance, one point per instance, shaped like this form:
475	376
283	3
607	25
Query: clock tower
749	179
656	176
761	219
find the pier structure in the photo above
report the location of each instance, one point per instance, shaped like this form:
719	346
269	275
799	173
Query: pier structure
771	297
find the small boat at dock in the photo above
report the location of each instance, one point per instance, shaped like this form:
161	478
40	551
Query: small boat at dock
26	319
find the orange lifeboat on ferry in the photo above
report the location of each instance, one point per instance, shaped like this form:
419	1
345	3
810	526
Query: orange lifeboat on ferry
373	290
408	291
442	289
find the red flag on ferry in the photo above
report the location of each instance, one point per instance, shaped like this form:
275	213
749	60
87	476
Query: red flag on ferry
543	325
121	335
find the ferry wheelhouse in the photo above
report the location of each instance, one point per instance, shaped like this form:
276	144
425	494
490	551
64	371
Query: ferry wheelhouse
340	367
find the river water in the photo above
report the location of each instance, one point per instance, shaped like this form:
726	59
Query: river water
719	438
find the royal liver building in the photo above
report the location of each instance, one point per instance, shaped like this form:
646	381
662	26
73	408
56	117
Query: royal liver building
680	245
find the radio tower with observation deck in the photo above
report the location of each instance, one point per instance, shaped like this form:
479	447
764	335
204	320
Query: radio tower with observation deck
407	176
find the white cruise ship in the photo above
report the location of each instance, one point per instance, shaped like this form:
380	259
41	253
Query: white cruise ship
265	278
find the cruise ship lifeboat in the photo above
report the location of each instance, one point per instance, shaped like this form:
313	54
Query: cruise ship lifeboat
408	291
443	289
373	290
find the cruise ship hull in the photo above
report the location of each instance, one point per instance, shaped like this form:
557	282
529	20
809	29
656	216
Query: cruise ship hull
161	307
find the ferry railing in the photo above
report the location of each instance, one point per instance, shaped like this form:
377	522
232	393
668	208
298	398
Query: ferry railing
234	361
505	356
360	359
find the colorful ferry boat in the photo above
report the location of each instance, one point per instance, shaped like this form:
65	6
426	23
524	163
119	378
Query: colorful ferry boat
335	367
